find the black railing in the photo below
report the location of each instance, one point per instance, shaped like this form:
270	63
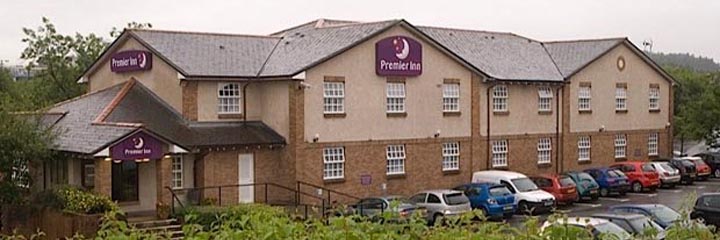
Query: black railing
329	192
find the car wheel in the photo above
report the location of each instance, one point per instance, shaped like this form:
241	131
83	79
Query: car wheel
717	173
507	216
437	217
637	187
622	193
484	212
524	209
594	198
604	192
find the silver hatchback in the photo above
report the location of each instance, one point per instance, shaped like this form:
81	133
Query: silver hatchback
669	176
442	203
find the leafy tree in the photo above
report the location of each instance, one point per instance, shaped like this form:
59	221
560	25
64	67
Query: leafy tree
696	104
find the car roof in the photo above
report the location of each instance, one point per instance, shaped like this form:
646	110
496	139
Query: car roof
583	221
710	194
440	191
489	184
506	174
618	215
691	158
642	206
599	169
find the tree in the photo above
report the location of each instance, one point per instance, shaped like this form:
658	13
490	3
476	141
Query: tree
696	104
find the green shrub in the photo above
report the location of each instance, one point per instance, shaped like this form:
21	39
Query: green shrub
73	200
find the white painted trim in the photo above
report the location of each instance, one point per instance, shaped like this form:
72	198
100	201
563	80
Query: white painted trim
83	79
103	153
299	76
177	149
180	76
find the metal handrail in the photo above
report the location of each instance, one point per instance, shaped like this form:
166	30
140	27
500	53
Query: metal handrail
301	183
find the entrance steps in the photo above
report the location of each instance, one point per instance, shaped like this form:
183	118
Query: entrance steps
167	227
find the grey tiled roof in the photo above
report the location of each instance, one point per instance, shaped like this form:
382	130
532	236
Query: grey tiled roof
571	56
502	56
233	133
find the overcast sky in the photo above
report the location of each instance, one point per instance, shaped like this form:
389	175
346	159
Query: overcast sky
673	25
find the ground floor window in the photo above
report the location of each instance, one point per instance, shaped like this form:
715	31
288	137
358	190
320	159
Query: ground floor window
125	181
450	156
584	148
620	145
334	163
177	171
395	159
653	144
88	174
544	149
499	153
21	175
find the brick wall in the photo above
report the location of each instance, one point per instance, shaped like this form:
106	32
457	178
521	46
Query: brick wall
163	168
103	177
189	100
602	152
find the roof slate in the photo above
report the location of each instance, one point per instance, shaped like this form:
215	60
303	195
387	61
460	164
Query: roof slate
571	56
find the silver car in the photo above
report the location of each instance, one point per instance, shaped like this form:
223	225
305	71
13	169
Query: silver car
375	207
669	175
442	203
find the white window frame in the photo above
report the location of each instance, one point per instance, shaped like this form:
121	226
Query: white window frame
544	148
653	140
585	98
621	98
451	97
333	163
620	146
654	98
500	97
176	171
21	175
395	156
545	97
229	98
451	156
395	97
584	148
500	153
333	97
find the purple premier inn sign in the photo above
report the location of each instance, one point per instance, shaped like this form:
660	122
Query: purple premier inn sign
398	56
129	61
137	146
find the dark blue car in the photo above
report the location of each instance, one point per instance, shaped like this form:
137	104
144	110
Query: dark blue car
495	200
610	181
661	214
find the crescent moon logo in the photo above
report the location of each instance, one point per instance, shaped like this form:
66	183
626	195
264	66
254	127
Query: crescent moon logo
405	50
139	142
142	60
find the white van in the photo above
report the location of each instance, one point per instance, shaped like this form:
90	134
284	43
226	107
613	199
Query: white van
528	196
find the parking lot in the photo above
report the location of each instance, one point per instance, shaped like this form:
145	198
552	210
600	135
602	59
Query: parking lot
675	198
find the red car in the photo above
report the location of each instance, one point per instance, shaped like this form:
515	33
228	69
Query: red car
641	175
561	186
703	169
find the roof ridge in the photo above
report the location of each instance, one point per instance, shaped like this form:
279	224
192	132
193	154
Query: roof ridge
202	33
115	101
313	22
360	23
469	30
586	40
82	96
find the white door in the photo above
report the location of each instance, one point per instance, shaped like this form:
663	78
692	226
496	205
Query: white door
246	175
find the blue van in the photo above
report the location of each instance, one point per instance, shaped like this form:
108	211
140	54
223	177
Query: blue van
495	200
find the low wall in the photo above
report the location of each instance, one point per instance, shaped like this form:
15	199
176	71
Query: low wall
55	224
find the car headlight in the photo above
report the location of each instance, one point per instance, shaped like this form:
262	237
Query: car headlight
491	201
446	212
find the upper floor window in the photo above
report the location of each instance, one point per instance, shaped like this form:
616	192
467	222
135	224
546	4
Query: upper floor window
500	98
395	97
621	97
229	98
620	145
334	97
500	153
545	95
584	148
451	97
654	98
333	163
451	156
584	98
544	148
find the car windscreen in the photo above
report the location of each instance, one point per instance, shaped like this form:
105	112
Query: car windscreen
611	228
613	173
648	168
667	167
455	198
498	191
400	200
566	181
699	162
585	177
620	173
687	163
524	184
642	223
664	213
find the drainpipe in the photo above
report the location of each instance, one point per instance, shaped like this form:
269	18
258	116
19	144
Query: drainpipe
244	103
558	161
487	142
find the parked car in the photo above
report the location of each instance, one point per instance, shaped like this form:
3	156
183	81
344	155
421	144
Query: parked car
586	185
494	199
596	226
441	203
562	187
713	160
688	173
610	181
641	175
707	208
661	214
374	207
633	223
669	176
703	169
528	197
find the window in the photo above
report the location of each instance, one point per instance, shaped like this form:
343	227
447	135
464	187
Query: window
432	198
584	98
584	148
88	169
229	98
653	144
500	98
451	97
334	97
177	171
620	145
333	163
499	153
654	98
544	148
450	156
419	198
396	159
545	95
396	97
621	98
21	176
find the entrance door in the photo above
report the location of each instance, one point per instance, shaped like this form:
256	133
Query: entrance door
125	181
246	175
